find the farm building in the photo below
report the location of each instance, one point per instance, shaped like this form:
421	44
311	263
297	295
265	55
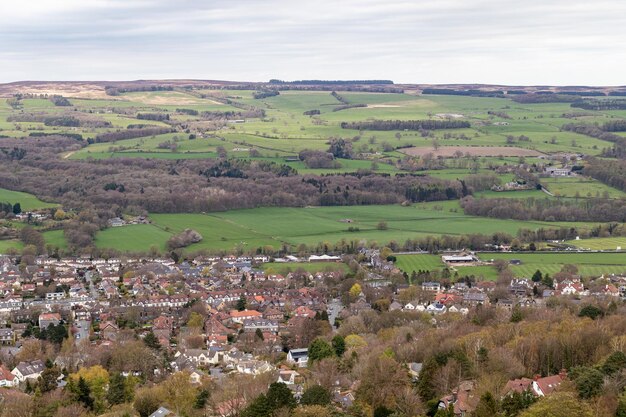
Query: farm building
558	172
458	259
324	258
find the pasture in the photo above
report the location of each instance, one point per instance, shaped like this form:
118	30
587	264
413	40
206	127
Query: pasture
253	228
27	201
284	268
451	151
285	130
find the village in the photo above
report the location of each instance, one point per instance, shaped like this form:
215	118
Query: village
213	317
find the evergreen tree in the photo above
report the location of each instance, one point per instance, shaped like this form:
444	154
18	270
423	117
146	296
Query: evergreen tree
537	276
339	345
259	407
201	399
151	341
516	314
315	395
279	396
84	393
17	208
320	349
242	304
117	389
259	334
48	379
487	406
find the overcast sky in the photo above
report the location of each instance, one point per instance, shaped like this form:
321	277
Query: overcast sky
556	42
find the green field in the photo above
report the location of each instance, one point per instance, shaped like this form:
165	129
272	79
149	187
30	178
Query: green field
5	245
27	201
283	131
253	228
589	264
603	243
580	187
286	131
312	267
133	238
410	263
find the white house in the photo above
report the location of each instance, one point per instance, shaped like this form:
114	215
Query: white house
28	370
299	357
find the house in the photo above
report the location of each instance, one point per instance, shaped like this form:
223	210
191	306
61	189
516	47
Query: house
298	357
240	316
458	309
546	385
462	400
287	377
436	308
431	286
505	303
116	222
558	172
344	398
518	385
252	325
475	298
163	412
195	376
28	370
108	331
7	379
537	386
304	311
47	319
568	287
414	370
7	336
395	306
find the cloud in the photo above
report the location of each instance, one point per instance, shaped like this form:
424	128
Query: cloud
438	41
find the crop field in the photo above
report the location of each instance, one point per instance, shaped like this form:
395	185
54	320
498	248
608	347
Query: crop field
27	201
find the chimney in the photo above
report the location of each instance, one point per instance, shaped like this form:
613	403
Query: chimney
563	373
536	377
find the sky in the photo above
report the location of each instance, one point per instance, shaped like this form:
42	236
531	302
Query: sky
513	42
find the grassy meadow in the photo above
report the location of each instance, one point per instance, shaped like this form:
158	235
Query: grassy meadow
27	201
589	264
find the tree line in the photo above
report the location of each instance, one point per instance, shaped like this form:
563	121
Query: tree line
610	172
600	105
589	210
603	133
131	134
406	124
